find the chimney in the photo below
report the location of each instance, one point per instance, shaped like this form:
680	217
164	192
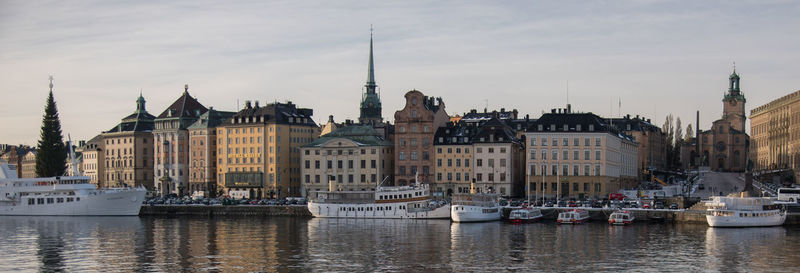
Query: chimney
552	111
515	113
502	110
256	103
330	119
248	104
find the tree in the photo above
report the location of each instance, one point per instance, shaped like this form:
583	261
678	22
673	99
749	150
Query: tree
689	133
51	154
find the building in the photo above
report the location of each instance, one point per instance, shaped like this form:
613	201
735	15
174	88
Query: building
499	159
578	155
129	150
775	129
352	158
415	127
171	150
14	156
29	165
652	142
453	144
203	152
724	147
258	150
371	108
94	160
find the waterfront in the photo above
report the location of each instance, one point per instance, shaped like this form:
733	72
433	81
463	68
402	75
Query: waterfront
152	244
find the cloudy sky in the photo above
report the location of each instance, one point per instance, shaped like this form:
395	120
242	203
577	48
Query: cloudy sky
656	57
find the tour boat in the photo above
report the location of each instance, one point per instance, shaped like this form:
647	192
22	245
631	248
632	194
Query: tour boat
475	208
403	202
524	215
622	217
63	196
575	216
744	212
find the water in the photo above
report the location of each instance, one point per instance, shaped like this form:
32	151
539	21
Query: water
125	244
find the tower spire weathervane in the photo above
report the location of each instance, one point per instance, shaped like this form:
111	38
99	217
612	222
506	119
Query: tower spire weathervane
51	83
734	66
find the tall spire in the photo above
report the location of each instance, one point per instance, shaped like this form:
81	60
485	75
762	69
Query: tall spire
371	69
51	76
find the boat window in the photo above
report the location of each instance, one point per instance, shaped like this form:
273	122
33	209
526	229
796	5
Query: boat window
59	200
77	199
50	200
69	199
31	201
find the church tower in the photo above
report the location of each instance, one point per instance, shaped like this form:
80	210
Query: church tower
371	112
733	103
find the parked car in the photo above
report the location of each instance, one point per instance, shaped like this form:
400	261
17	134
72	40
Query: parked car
658	205
673	206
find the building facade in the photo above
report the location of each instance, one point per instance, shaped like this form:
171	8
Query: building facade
652	142
578	155
203	152
29	165
499	159
415	127
129	150
94	161
775	129
258	150
453	144
371	111
352	158
724	147
171	147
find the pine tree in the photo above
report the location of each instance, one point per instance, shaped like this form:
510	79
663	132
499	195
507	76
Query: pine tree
51	155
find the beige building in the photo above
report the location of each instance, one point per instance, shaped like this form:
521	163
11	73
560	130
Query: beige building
499	159
352	158
453	144
258	150
652	142
203	152
578	155
29	165
129	150
171	147
94	160
775	129
415	126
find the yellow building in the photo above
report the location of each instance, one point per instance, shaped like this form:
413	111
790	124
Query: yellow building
258	150
453	156
775	130
129	150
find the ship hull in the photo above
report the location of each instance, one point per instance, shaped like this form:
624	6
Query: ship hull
100	203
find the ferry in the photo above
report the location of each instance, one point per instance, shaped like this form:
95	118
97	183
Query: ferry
482	207
622	217
575	216
744	212
525	215
404	202
63	196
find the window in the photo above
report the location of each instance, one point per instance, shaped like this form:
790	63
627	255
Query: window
439	150
458	162
586	170
491	177
502	162
586	155
533	141
575	170
565	155
478	150
576	142
491	150
597	155
544	169
555	142
544	141
402	156
413	155
372	164
575	155
479	162
597	169
479	177
575	187
449	176
466	162
491	162
597	187
564	170
554	169
586	187
425	156
502	150
449	162
544	154
565	141
449	150
597	141
438	162
586	141
502	177
555	155
533	154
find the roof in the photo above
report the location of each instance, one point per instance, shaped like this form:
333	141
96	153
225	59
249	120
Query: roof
454	134
636	123
273	113
211	119
555	122
495	130
362	135
185	106
139	121
475	116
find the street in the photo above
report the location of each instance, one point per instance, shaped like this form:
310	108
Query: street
716	182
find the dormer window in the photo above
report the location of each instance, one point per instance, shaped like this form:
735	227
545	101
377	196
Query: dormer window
578	127
552	127
566	128
541	127
591	127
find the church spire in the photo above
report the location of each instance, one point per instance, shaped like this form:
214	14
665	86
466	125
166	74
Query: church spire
371	68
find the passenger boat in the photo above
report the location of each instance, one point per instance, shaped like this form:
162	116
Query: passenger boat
482	207
575	216
622	217
524	215
744	212
64	196
404	202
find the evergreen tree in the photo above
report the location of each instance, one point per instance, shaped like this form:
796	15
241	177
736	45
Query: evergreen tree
689	133
51	153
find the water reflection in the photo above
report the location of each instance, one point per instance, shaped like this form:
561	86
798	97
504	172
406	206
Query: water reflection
125	244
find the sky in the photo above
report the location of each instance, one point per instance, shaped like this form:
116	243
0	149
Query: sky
651	57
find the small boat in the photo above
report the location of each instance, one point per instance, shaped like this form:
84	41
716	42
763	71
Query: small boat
575	216
524	215
475	208
622	217
744	212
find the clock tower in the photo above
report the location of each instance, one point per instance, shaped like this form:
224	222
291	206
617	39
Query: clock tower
371	112
733	104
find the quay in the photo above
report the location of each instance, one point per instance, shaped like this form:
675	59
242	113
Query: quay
694	215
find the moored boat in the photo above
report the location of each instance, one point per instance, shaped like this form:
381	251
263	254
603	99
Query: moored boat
622	217
524	215
744	212
575	216
475	208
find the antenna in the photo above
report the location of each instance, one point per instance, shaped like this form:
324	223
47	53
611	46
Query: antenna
567	91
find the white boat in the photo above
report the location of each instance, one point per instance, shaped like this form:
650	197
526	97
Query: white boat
575	216
403	202
622	217
475	208
63	196
744	212
524	215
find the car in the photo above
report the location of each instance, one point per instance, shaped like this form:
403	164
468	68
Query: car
549	204
701	187
658	205
673	206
